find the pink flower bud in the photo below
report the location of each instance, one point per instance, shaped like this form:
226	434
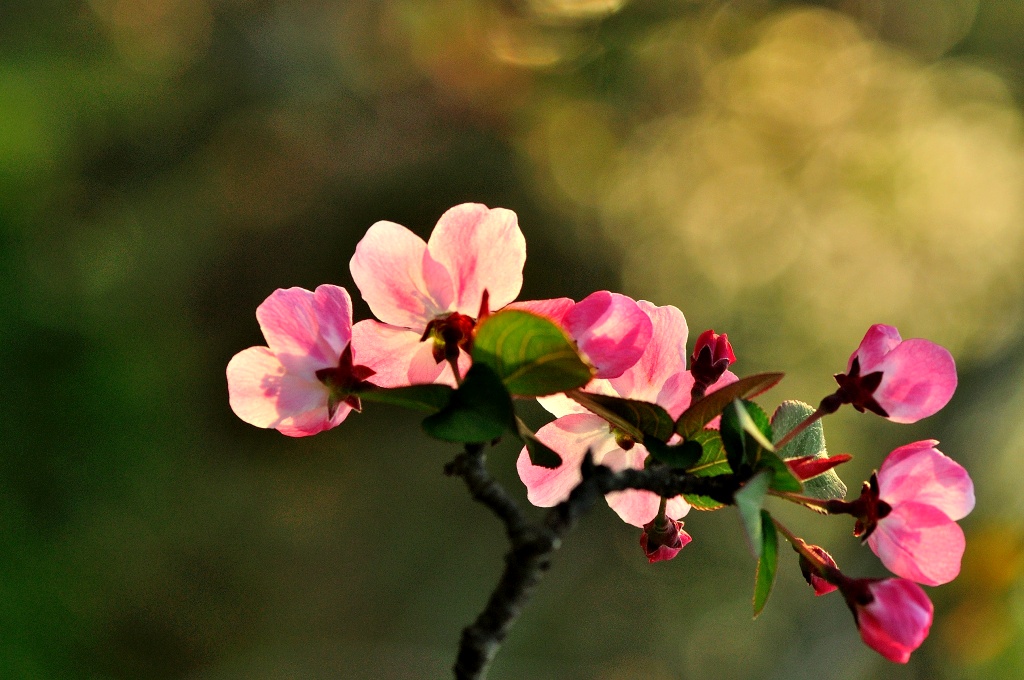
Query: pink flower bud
712	355
663	542
811	572
902	380
893	615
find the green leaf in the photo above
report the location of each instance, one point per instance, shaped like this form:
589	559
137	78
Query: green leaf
744	429
532	355
636	418
478	412
540	453
748	501
431	398
766	564
810	442
679	456
703	411
783	478
711	464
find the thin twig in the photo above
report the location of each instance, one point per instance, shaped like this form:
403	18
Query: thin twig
533	545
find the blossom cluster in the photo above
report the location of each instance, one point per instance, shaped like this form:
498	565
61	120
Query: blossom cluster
641	399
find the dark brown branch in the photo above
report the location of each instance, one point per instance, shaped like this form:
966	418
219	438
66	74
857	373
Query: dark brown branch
533	545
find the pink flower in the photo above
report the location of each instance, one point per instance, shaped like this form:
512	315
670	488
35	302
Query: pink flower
663	542
287	386
660	377
893	615
908	513
429	295
902	380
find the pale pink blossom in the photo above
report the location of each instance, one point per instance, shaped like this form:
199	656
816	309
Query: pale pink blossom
660	377
428	295
902	380
893	615
287	385
920	494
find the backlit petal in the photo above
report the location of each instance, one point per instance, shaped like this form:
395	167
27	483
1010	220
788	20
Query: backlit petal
482	249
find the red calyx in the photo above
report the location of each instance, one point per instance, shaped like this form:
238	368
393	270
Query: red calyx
343	380
859	390
712	355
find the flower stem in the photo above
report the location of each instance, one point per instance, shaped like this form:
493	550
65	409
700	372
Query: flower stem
454	363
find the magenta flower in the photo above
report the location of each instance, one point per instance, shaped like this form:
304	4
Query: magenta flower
902	380
908	513
893	615
663	542
288	385
429	295
660	377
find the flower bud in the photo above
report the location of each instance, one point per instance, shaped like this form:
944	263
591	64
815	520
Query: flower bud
811	572
663	538
712	355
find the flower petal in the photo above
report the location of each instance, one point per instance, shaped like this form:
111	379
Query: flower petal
897	620
878	341
918	379
553	309
398	279
611	330
307	331
662	358
919	542
396	355
263	393
482	249
920	473
570	437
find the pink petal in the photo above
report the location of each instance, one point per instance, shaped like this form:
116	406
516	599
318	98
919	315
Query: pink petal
482	250
921	473
878	341
554	309
897	620
263	393
918	379
307	331
570	437
919	542
396	276
662	358
634	506
396	355
611	330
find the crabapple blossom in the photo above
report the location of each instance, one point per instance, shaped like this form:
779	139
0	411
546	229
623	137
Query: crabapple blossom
908	513
290	384
660	377
429	295
902	380
893	615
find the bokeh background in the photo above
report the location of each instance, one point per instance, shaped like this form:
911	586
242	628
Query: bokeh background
785	172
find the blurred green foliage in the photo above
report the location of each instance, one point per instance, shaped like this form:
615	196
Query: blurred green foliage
786	172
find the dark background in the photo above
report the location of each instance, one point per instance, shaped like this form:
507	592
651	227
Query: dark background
789	173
